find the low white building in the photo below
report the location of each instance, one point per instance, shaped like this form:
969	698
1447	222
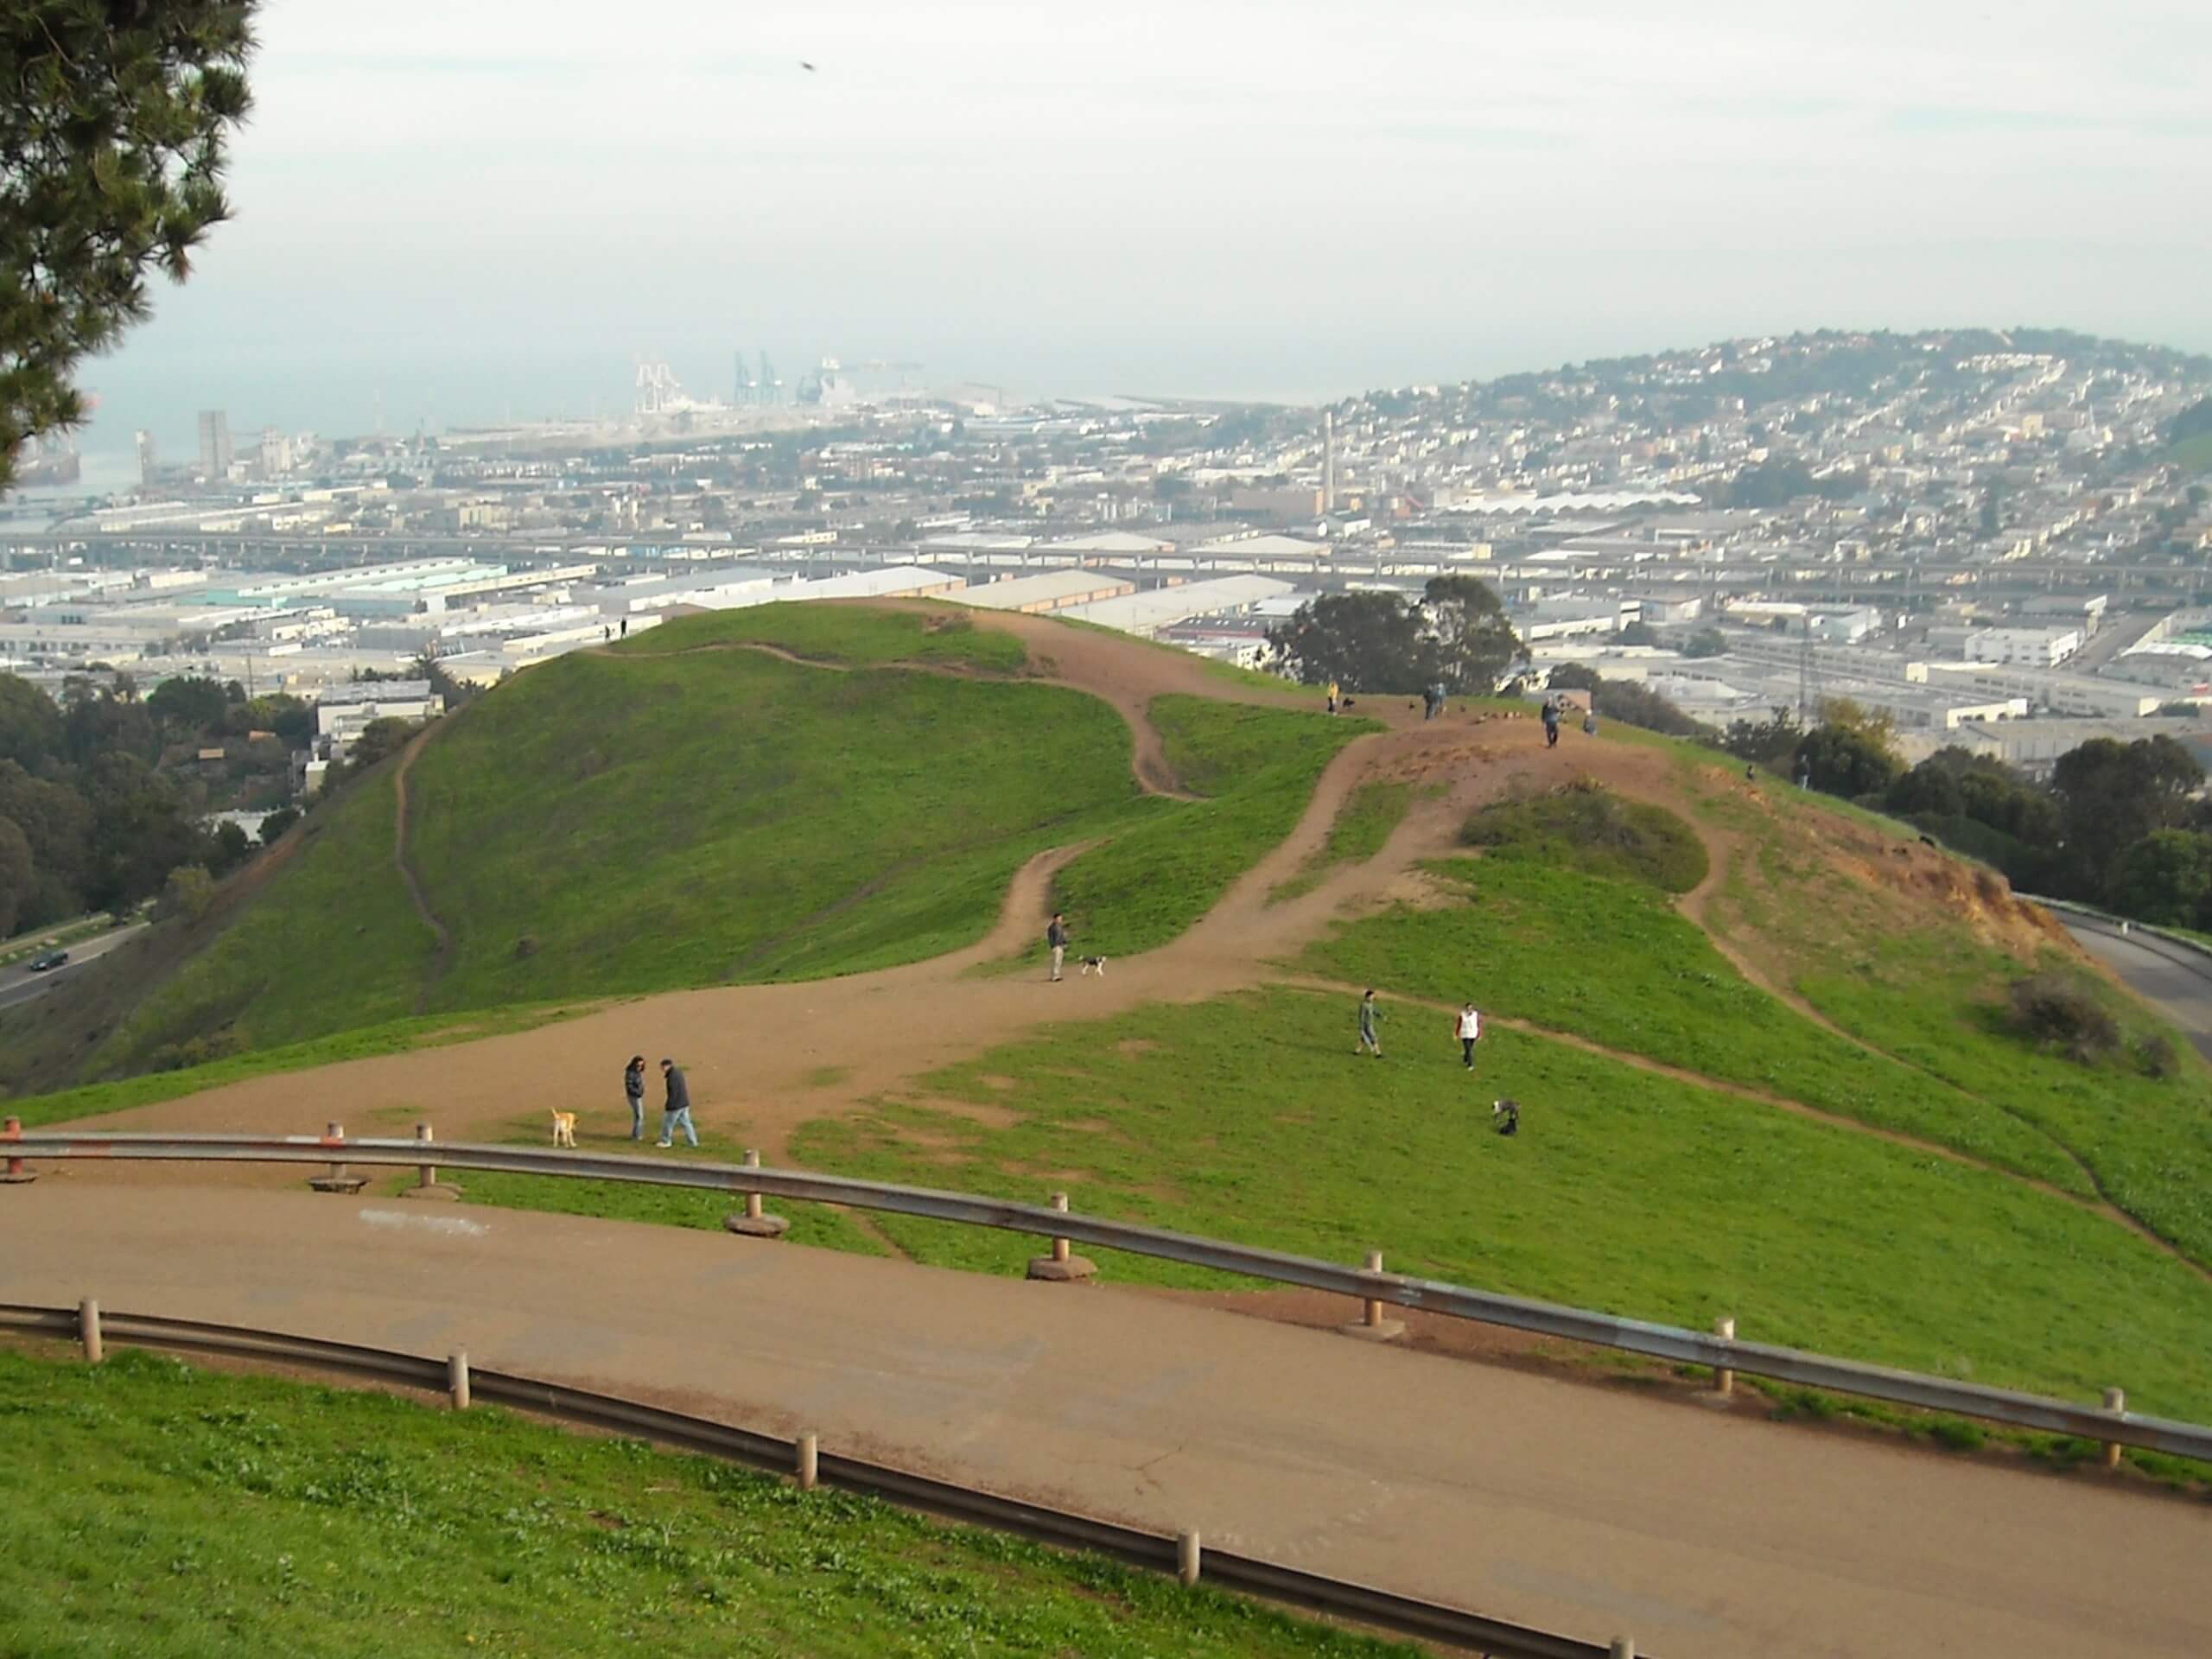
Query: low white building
2009	647
343	712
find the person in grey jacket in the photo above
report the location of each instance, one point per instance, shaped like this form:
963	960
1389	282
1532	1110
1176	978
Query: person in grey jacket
677	1108
1368	1043
633	1091
1056	937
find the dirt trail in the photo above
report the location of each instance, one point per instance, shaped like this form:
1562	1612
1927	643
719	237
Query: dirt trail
442	958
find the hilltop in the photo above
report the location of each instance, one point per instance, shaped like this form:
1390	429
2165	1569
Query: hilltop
790	792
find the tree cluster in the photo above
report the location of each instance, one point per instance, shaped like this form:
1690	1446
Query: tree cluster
1456	635
100	798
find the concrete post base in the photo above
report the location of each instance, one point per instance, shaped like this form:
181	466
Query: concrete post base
757	1226
1381	1330
17	1177
339	1183
1053	1271
445	1190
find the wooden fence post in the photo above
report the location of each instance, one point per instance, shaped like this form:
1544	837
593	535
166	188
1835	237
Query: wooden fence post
1062	1266
755	1222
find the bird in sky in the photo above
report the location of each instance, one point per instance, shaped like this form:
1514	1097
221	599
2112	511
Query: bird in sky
804	64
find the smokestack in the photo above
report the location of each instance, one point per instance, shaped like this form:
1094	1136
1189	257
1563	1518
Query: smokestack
1328	460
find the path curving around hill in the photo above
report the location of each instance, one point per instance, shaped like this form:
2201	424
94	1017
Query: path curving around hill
440	958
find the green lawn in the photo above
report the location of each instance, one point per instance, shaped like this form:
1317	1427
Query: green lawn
1612	961
946	636
1363	826
1258	767
1251	1118
160	1511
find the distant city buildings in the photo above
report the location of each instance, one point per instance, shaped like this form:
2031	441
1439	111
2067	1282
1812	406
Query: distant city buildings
1965	531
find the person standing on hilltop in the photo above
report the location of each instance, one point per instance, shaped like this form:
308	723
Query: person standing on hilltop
676	1109
1368	1012
1468	1029
633	1091
1551	722
1056	937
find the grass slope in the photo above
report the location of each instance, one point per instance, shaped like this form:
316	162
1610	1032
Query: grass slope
1258	766
1932	992
1612	961
160	1511
334	944
1251	1118
1363	826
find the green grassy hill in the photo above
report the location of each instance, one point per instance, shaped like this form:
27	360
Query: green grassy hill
677	813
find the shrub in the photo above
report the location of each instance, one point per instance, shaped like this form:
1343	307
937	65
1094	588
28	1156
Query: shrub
1584	826
2058	1012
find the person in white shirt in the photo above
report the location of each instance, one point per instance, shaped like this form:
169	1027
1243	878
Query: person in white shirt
1468	1030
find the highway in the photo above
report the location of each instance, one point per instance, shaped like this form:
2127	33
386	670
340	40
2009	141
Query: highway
19	984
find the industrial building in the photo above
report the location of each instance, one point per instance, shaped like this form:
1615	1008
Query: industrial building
1052	590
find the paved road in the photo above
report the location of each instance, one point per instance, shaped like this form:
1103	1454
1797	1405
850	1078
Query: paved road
1589	1511
2174	978
19	984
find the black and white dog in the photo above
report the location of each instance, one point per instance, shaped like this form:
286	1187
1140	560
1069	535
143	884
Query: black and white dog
1507	1113
1094	965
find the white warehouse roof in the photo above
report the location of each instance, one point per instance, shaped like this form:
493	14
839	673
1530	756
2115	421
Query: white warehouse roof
1165	606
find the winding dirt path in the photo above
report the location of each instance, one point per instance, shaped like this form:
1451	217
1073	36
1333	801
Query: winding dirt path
443	958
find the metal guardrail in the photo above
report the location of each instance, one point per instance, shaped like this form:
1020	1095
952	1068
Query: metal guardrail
1404	1615
2112	1425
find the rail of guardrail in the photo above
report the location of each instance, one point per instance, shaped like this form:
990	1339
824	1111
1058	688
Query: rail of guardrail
2112	1425
454	1376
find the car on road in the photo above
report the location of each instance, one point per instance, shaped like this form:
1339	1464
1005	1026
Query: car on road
49	962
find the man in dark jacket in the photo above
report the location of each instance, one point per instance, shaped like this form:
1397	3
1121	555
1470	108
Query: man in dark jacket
677	1108
1056	937
633	1091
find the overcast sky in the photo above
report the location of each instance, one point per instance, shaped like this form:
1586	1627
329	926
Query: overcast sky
473	206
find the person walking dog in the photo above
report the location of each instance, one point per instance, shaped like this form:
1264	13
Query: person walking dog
1468	1030
676	1109
1056	937
633	1091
